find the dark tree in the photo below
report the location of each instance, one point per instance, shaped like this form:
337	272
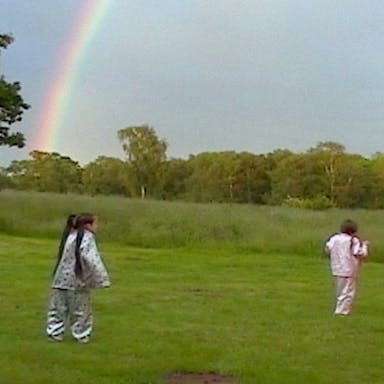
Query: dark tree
12	106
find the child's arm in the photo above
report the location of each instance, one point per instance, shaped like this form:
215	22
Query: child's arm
364	248
96	275
328	244
359	248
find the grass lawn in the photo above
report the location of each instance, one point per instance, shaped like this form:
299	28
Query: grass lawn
263	318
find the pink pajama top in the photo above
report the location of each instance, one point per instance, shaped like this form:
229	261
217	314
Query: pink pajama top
345	253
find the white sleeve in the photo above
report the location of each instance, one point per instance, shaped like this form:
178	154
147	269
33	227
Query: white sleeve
330	242
95	273
359	249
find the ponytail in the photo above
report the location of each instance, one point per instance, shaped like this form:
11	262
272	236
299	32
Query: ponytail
78	265
67	230
81	221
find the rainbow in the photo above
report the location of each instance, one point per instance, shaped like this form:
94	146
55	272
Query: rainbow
57	96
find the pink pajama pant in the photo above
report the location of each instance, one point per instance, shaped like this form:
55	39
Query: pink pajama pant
345	294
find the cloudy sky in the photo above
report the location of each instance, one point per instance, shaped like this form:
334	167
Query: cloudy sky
207	75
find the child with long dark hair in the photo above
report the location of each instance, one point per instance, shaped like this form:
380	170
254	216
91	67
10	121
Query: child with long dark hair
78	270
346	251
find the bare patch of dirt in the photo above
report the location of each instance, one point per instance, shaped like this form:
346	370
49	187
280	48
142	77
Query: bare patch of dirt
204	292
198	378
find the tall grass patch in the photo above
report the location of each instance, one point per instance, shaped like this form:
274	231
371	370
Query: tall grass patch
160	224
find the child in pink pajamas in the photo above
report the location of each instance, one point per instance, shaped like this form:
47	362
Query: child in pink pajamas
346	252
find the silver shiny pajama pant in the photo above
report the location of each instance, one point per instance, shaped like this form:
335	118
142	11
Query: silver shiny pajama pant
72	307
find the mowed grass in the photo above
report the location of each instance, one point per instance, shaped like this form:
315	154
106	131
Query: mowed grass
260	317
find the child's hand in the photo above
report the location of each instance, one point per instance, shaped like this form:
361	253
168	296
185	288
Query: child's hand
364	249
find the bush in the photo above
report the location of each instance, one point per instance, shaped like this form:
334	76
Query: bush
316	203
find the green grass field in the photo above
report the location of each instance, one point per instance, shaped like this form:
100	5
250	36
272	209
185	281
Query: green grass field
260	316
240	290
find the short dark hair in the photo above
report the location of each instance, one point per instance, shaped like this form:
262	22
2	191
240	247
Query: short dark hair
349	227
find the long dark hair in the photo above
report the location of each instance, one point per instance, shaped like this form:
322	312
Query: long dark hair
69	226
80	222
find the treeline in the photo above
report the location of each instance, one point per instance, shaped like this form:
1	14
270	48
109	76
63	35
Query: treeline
322	177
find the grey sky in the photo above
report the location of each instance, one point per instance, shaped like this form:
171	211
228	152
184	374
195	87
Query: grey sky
208	75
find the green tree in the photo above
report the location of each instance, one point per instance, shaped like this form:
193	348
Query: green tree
323	176
214	177
229	176
377	168
5	180
252	183
299	175
175	176
12	106
46	172
108	176
146	154
355	182
330	157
